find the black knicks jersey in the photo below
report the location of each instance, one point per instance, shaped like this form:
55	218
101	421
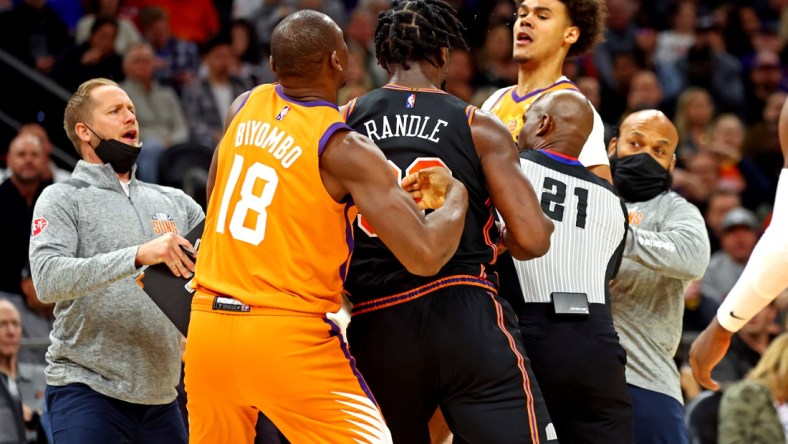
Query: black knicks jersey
416	129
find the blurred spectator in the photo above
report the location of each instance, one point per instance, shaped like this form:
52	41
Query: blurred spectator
589	86
29	378
748	411
694	113
248	63
358	81
52	173
699	309
737	172
158	110
459	75
12	426
127	31
192	20
673	44
699	179
34	33
765	79
360	29
644	92
709	66
761	142
721	201
495	58
177	60
743	24
740	231
93	58
18	195
747	346
620	38
207	100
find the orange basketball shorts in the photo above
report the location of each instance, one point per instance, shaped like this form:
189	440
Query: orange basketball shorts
295	368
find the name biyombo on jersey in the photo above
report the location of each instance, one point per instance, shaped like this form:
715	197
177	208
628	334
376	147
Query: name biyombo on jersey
405	125
264	135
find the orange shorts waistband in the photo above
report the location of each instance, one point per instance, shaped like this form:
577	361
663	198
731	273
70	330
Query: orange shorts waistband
228	305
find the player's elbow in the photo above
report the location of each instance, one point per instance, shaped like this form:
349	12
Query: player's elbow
427	258
535	243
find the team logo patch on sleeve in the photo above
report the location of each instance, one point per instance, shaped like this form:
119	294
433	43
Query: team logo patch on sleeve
38	226
411	102
163	223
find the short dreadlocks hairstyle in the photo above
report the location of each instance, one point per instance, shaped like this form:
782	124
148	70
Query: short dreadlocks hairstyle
416	30
590	17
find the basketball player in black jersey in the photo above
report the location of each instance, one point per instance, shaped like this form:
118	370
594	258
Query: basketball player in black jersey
447	340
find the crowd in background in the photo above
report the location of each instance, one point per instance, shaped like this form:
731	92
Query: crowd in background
717	67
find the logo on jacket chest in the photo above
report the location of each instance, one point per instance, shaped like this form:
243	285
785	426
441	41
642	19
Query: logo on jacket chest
635	216
163	223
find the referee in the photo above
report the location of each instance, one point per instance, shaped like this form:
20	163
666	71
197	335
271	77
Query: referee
566	293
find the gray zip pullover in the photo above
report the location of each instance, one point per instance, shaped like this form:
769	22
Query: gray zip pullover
667	247
108	333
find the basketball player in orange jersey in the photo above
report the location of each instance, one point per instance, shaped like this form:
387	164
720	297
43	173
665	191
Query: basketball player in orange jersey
545	34
287	177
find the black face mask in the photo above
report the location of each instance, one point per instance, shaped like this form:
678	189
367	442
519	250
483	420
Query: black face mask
639	177
116	153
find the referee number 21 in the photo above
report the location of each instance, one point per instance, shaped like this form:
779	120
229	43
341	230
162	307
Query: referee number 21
249	201
554	197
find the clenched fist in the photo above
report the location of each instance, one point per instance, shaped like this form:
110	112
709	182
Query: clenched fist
429	186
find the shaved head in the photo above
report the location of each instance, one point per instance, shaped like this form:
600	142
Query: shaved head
649	131
302	41
560	120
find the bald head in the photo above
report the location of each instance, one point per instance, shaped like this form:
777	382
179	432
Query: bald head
560	121
26	158
301	43
10	330
648	131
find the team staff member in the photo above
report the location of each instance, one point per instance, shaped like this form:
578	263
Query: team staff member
114	360
546	32
276	246
666	248
763	279
566	293
449	340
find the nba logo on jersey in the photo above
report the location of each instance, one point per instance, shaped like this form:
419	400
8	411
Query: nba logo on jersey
283	113
163	223
411	102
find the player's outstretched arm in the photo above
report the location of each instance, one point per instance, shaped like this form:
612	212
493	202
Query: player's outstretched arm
761	281
528	230
352	164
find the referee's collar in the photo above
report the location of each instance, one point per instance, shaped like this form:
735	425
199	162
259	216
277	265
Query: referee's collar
563	158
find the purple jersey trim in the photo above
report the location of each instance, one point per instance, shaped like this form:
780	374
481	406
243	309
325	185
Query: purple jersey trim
348	239
330	132
336	331
302	103
519	99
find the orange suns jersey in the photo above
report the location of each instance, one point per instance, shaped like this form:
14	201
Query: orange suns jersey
510	107
273	235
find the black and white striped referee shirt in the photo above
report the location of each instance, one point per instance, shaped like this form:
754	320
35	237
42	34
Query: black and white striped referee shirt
590	228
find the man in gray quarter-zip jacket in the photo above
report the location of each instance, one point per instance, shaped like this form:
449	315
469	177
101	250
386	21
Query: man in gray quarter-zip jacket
114	360
666	248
